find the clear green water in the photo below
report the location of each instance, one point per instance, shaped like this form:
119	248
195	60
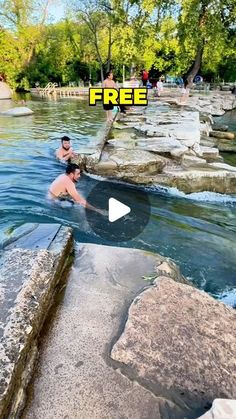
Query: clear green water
229	118
199	233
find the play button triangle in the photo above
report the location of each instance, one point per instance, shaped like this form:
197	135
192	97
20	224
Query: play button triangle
116	210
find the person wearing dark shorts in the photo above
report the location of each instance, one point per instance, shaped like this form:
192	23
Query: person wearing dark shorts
108	107
109	82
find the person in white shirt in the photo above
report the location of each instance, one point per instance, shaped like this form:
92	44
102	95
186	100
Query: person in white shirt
159	87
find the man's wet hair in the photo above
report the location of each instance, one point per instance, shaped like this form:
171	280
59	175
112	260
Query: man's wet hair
71	168
65	138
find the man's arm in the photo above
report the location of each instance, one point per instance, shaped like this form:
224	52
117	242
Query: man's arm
73	153
65	157
71	189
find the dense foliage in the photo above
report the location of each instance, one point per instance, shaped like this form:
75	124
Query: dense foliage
178	37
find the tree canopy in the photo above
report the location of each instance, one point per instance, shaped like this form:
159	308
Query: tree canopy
178	37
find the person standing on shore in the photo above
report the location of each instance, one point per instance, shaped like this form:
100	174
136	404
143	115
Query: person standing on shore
185	93
159	87
145	76
109	82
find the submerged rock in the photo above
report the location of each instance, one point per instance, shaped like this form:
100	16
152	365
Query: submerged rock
18	111
218	127
226	145
180	341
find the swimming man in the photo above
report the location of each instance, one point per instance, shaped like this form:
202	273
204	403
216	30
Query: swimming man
65	152
63	188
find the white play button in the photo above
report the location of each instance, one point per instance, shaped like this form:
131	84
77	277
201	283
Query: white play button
117	210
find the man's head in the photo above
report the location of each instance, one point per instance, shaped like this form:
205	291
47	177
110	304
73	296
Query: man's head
65	142
109	75
73	171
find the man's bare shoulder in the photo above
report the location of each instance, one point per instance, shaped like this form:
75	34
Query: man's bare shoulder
60	178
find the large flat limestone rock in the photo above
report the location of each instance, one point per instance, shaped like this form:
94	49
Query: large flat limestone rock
181	126
187	133
118	162
199	180
192	179
178	339
159	145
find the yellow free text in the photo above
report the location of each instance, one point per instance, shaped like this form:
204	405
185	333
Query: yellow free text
124	96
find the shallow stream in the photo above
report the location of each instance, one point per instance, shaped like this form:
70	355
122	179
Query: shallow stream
198	231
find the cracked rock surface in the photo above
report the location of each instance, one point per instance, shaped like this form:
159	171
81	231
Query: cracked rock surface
180	340
76	378
28	277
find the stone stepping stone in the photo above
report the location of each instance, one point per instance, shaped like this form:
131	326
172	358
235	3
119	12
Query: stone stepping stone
209	152
40	237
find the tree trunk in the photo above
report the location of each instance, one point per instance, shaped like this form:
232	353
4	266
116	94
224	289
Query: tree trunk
102	74
109	50
195	67
99	57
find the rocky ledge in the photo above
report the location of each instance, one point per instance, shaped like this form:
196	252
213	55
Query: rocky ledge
30	269
213	103
169	146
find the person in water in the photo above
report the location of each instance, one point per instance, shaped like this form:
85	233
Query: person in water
63	188
65	153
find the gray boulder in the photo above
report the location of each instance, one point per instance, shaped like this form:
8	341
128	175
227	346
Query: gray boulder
180	343
18	111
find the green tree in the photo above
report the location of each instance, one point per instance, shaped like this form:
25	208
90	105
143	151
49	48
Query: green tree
204	33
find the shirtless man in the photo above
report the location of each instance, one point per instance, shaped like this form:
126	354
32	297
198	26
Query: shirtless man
63	188
109	82
65	152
